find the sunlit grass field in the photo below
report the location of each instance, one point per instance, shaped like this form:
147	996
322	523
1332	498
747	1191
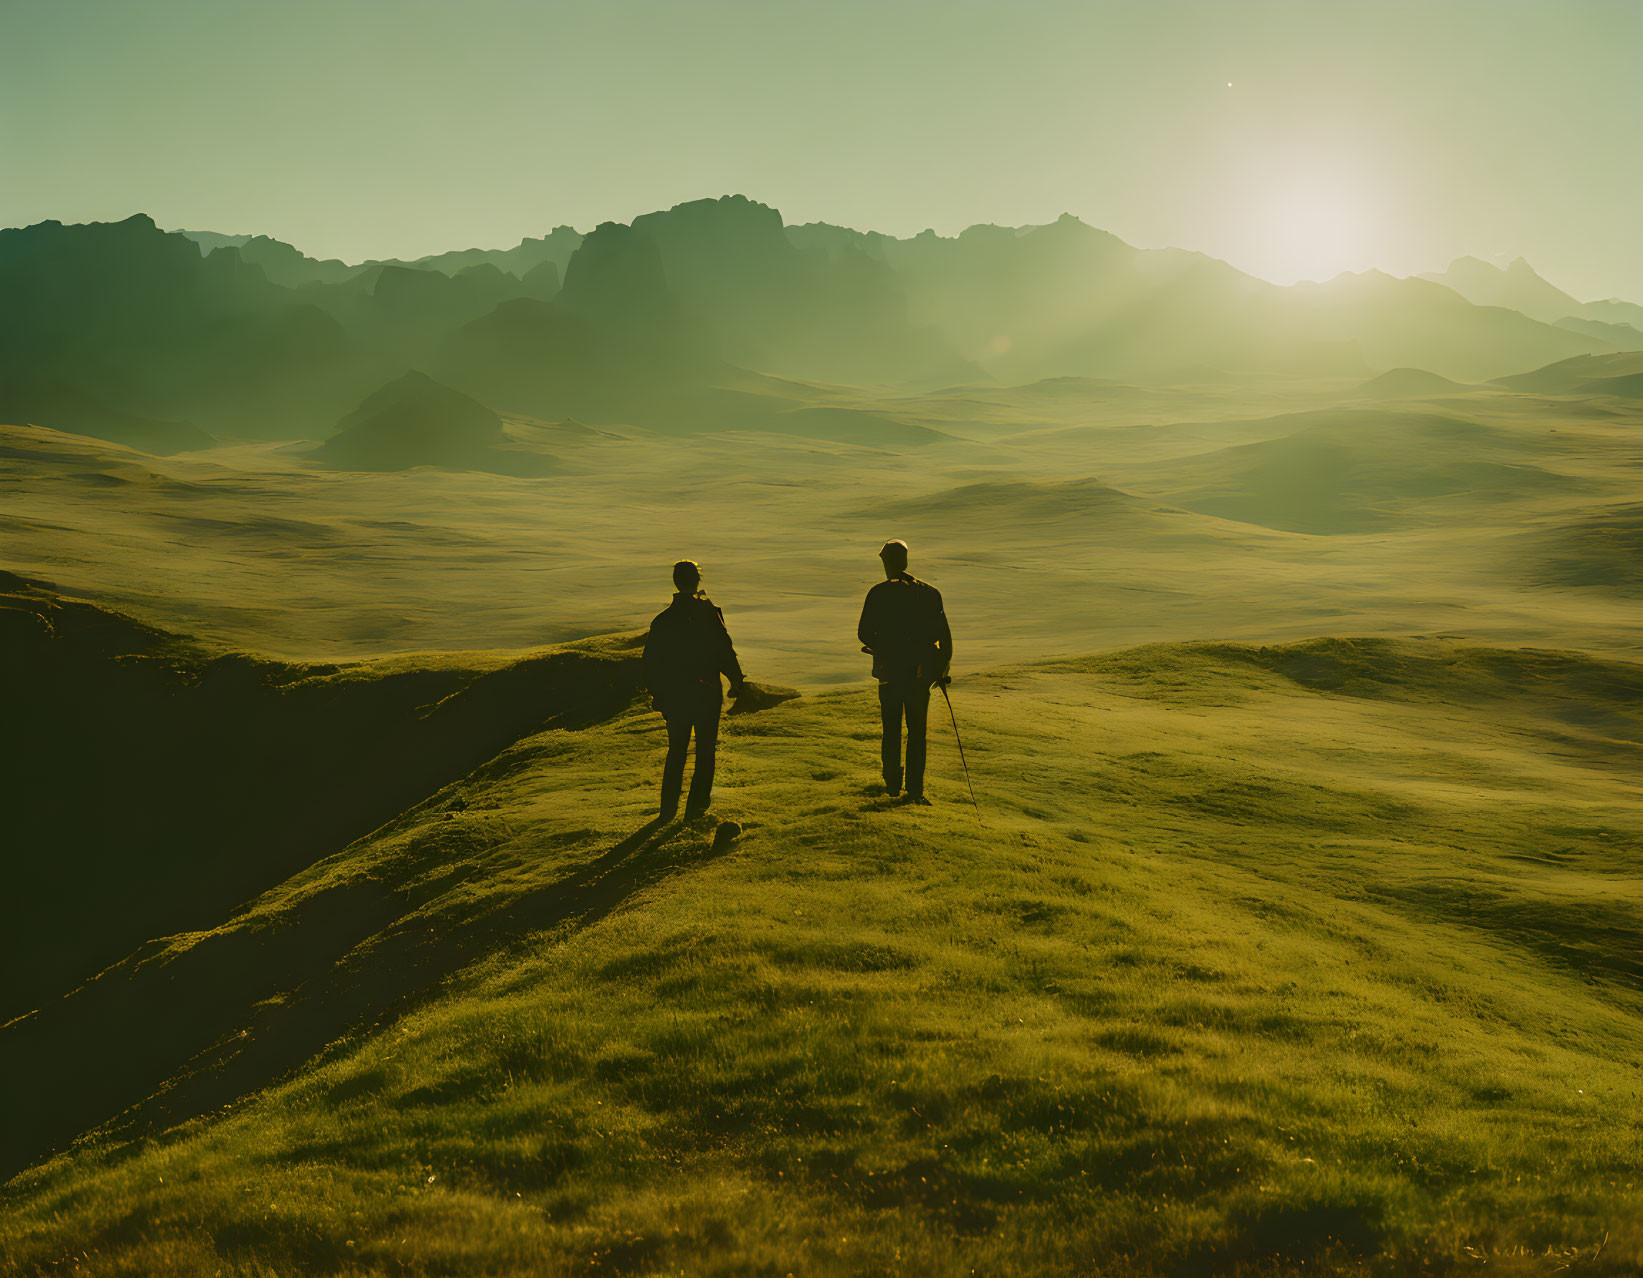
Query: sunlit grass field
1253	959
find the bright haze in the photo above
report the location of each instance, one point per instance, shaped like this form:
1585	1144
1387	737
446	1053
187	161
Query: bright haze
1294	140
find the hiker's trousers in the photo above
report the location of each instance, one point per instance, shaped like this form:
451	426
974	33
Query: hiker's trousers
696	713
907	699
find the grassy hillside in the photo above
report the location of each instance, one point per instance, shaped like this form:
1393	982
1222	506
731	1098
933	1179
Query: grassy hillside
1600	550
1256	956
1261	954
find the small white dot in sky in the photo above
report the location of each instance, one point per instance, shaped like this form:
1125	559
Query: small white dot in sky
1229	84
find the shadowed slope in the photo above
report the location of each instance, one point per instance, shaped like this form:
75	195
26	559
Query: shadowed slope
164	783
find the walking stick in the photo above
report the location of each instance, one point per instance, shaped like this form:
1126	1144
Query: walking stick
942	684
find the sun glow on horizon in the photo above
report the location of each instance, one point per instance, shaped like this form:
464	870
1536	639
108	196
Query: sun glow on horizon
1313	233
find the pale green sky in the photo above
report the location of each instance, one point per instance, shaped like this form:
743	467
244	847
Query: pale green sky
1354	133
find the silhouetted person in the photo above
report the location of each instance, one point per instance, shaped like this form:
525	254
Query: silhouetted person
686	651
904	627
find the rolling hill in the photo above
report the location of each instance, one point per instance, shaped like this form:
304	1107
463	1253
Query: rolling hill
1408	383
415	421
1358	471
1315	955
1023	508
1580	375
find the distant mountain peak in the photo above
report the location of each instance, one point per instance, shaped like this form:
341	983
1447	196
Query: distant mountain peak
1516	286
1518	268
737	207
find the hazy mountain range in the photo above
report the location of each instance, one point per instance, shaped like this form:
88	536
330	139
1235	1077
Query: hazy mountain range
1518	288
165	339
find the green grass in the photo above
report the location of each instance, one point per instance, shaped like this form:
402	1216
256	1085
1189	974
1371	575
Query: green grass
1259	959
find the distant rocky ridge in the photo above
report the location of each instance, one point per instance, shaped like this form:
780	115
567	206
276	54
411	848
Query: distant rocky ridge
286	264
556	247
1518	287
650	322
140	322
1034	302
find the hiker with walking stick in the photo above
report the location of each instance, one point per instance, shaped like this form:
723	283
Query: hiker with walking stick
905	628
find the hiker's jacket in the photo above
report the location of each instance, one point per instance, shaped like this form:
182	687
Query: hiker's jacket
905	628
686	651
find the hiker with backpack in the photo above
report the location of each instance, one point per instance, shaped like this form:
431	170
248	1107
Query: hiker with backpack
686	652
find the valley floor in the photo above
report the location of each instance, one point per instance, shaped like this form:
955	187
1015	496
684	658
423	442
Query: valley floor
1060	518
